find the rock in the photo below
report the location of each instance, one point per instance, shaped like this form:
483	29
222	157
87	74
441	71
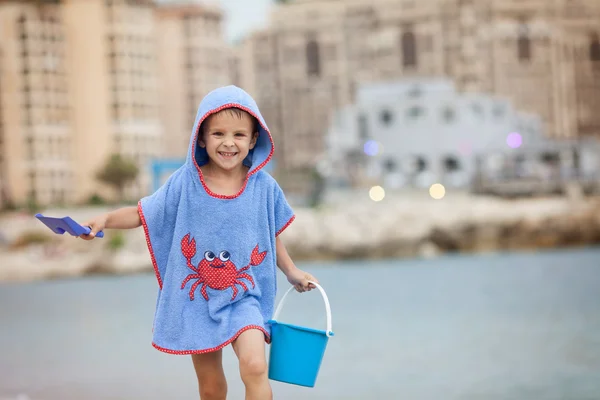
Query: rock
428	249
445	239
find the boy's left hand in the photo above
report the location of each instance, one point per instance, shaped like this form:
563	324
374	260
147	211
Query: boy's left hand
299	279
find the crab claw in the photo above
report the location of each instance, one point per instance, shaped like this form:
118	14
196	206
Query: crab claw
188	248
256	257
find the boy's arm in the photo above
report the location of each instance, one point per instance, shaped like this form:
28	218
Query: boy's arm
123	218
298	278
284	261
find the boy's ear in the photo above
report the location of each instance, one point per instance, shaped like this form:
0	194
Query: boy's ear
253	141
201	133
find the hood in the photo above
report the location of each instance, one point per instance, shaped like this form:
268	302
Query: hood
231	97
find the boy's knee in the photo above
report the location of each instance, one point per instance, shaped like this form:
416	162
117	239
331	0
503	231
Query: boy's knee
213	389
251	367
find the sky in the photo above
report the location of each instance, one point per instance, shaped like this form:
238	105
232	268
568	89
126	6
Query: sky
241	16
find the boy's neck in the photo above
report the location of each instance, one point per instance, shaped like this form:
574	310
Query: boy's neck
223	182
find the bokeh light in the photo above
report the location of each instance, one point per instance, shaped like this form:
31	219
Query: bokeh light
377	193
514	140
437	191
372	148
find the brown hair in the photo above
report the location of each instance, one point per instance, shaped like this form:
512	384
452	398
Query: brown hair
233	111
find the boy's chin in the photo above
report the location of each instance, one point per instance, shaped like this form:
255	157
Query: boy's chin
227	165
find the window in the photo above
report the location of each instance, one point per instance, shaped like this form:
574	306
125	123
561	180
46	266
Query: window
24	49
22	21
415	112
595	47
386	117
363	127
524	43
409	49
313	58
449	114
115	108
451	164
421	164
550	158
390	165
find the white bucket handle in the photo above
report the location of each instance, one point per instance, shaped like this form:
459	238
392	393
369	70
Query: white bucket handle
329	331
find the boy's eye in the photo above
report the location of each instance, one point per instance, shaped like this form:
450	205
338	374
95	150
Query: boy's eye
240	134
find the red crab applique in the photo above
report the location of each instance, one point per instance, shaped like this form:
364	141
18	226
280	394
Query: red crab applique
216	272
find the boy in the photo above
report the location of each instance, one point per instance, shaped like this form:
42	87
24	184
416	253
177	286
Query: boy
212	231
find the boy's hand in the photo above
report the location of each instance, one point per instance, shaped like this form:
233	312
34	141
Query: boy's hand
96	225
299	279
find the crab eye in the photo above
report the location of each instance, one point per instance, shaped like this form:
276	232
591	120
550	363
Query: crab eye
209	256
224	256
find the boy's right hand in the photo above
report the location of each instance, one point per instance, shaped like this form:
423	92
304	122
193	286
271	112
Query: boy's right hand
96	225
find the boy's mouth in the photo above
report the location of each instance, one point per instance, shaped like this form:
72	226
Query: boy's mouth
229	154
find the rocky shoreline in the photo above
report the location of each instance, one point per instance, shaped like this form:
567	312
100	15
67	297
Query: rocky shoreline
349	228
421	227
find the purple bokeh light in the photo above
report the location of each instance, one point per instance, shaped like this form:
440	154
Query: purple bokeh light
514	140
371	148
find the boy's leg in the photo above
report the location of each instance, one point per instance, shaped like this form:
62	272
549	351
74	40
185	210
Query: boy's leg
250	350
211	378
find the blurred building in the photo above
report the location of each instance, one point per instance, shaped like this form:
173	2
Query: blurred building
543	56
420	132
81	80
36	130
78	82
546	167
126	38
193	61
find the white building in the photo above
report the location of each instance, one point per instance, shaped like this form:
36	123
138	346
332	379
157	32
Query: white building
420	132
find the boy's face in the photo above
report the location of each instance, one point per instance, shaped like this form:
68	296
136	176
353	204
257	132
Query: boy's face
228	138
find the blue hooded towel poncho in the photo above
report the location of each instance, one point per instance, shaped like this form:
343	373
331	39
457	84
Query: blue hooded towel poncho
213	255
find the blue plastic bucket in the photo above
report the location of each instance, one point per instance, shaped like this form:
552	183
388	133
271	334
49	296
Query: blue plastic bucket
296	352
